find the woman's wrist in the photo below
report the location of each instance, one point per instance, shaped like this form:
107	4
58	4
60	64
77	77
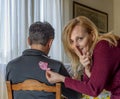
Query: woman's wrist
87	72
62	78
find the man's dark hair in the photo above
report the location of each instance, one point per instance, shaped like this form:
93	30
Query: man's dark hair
40	33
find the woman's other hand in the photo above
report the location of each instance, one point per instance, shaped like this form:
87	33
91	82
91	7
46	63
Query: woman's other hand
54	77
85	60
84	56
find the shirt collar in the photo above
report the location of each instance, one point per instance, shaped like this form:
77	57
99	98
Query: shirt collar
34	52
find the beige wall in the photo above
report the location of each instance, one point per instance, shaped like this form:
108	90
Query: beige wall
116	5
102	5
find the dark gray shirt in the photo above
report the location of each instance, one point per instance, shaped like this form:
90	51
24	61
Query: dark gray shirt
27	67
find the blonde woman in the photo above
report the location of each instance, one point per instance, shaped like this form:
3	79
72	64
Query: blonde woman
99	54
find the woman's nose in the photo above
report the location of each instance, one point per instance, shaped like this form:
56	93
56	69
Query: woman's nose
75	44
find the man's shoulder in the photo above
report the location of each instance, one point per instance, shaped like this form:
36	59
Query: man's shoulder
14	61
56	61
55	64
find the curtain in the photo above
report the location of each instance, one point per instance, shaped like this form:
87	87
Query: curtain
15	18
3	90
17	15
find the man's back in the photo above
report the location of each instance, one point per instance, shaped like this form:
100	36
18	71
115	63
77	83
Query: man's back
27	67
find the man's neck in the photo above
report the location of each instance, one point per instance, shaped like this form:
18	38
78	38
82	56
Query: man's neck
40	47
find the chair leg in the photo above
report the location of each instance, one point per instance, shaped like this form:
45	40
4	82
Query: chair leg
58	91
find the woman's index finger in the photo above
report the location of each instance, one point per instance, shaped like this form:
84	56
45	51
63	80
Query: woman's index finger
79	50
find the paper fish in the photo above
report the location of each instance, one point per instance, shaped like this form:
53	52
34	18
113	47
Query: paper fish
43	65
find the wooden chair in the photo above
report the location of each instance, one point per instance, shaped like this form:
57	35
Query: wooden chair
33	85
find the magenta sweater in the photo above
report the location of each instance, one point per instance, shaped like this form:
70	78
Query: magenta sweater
105	72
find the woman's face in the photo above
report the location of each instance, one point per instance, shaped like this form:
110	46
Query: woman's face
80	38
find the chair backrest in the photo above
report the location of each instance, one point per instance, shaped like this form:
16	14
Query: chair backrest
31	84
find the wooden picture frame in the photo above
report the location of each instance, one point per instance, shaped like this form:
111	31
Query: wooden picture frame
98	17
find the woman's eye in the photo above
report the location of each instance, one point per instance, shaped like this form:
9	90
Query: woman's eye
80	38
71	41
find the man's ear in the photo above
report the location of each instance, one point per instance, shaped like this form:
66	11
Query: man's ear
29	41
50	42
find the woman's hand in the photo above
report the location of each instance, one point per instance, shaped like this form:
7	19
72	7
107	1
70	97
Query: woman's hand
85	60
84	57
53	77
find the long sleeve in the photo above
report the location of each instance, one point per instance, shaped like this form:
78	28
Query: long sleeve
70	94
102	71
85	77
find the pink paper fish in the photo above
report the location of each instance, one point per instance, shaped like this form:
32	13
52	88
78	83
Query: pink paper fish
43	65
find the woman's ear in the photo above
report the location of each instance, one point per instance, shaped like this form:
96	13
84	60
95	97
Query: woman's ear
92	36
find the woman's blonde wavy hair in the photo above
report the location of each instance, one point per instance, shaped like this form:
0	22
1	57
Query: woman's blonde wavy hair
91	29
